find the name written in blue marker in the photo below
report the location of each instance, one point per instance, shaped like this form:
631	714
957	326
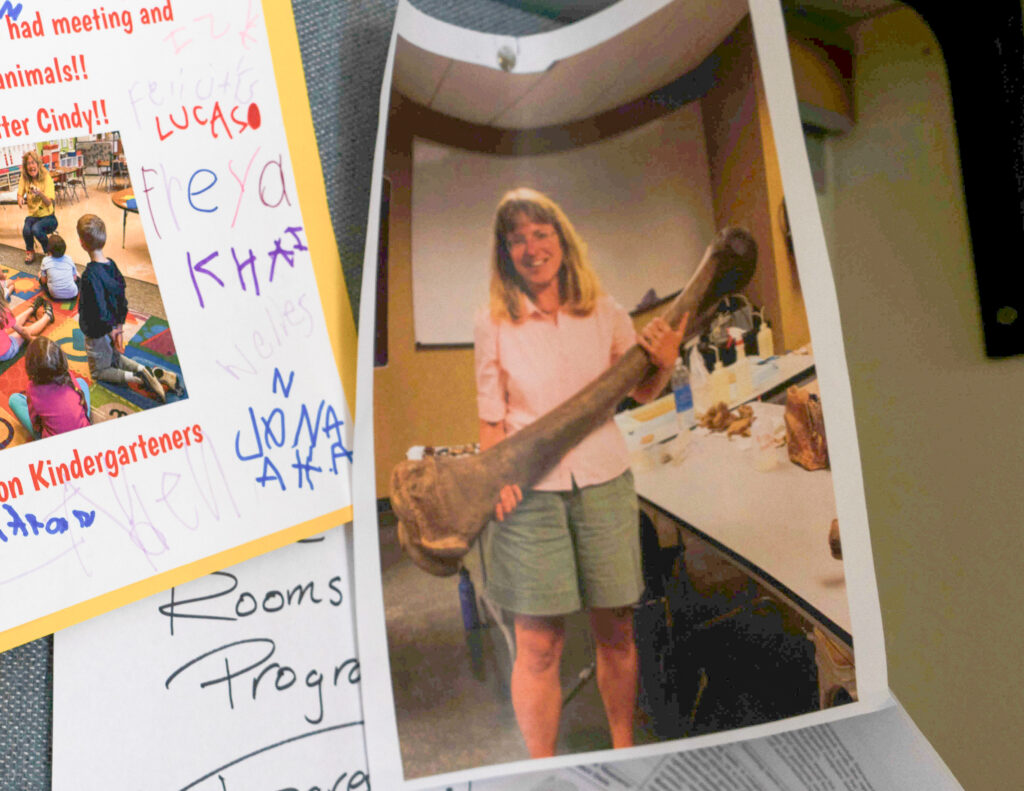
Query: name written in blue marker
8	8
30	525
296	436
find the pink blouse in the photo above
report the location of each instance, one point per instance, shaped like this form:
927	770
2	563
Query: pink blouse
526	369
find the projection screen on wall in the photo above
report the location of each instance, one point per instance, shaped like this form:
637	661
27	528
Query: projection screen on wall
641	200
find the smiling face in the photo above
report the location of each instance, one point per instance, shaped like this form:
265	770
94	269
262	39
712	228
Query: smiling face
32	167
536	252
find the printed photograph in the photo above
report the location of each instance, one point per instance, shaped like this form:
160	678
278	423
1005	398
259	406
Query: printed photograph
606	510
84	336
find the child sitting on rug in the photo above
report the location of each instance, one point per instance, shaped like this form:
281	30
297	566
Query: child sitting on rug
102	309
57	274
54	402
10	344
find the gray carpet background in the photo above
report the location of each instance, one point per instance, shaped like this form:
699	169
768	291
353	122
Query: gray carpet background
344	47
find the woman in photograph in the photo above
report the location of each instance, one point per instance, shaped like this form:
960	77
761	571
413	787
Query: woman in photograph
572	541
36	192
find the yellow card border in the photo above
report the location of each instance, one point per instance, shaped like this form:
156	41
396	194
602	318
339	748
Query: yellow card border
283	40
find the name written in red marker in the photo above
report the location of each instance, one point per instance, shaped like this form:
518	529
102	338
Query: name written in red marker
237	120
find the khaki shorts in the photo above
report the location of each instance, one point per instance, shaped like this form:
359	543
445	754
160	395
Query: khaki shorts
561	551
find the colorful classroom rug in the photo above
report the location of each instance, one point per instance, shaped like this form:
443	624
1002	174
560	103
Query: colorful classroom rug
148	340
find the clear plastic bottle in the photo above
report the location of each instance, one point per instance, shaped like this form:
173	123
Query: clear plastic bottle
744	376
698	381
718	384
683	395
765	343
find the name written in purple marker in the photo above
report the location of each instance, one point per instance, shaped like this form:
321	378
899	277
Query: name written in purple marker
245	264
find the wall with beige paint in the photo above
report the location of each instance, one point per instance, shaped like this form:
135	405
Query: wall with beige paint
939	425
746	183
422	396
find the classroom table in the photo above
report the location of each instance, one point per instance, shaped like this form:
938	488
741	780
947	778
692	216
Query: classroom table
125	201
785	370
772	525
656	421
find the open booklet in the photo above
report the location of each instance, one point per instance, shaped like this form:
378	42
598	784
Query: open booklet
177	350
651	126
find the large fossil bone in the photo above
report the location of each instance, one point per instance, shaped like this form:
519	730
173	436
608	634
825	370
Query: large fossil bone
442	504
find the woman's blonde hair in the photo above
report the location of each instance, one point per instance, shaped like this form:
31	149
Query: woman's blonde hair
578	285
41	172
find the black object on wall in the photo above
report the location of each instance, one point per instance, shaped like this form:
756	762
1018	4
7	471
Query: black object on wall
983	45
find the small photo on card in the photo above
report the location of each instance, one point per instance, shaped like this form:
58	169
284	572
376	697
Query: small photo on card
85	333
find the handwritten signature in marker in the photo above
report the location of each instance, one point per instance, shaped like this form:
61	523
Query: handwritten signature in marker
296	428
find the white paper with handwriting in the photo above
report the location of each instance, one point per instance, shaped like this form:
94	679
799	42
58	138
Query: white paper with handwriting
244	679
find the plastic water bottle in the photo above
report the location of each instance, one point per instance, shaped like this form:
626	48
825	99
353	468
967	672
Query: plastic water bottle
467	600
683	395
718	383
765	344
744	376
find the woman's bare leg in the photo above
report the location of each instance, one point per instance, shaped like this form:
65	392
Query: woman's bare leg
536	686
616	669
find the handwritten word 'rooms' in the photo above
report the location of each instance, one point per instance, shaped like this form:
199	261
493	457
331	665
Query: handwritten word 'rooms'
296	432
96	20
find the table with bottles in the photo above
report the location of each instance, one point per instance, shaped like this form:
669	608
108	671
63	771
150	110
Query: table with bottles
743	498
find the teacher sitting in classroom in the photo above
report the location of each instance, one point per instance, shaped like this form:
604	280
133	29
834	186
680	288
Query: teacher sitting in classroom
36	191
573	540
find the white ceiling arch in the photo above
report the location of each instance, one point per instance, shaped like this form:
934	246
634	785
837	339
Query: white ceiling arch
561	76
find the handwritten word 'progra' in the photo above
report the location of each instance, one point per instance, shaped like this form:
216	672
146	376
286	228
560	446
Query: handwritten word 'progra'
283	677
274	431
